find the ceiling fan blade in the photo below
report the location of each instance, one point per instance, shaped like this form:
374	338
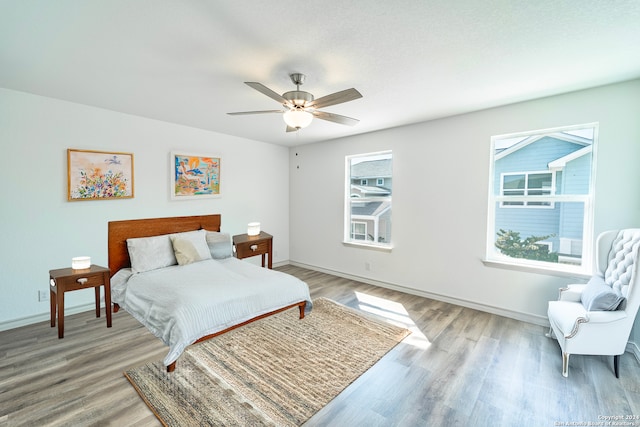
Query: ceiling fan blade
337	118
335	98
291	129
240	113
266	91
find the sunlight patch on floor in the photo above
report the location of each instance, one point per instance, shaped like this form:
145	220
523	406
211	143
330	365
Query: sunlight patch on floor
394	313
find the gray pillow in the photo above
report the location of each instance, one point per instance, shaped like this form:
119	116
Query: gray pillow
598	296
219	244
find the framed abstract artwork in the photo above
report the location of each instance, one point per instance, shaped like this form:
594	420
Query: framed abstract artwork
99	175
194	176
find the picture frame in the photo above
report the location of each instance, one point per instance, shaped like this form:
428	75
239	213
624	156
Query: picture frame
99	175
195	176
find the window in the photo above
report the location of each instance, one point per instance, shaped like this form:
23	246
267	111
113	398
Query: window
541	199
528	183
358	230
368	209
380	181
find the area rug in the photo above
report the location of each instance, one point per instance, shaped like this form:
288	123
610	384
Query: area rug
277	371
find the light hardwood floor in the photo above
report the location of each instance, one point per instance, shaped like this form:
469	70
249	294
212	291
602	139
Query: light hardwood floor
459	367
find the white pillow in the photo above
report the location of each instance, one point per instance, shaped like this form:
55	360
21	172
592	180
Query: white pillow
219	244
150	253
190	247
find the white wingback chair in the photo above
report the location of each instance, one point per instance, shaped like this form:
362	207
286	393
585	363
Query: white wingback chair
596	318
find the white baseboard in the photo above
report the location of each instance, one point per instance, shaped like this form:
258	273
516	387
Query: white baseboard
529	318
45	317
524	317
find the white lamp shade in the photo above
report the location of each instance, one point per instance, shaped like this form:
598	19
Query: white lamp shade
253	228
298	118
80	262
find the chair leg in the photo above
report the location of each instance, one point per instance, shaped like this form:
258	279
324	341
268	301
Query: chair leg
565	364
616	365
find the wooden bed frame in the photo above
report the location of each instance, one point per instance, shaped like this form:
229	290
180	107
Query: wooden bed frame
120	231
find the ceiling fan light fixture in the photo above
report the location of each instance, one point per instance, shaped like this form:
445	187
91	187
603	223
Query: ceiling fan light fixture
297	118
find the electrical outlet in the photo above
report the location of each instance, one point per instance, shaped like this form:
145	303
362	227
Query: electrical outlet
367	266
43	296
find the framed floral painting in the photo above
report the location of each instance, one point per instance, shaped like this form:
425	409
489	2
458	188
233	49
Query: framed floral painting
194	176
99	175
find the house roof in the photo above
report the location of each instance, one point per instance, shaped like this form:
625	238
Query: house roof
371	169
367	189
369	208
560	163
526	141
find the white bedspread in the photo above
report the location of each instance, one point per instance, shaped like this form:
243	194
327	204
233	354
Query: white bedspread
180	304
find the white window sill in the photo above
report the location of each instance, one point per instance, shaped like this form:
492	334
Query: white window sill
385	248
569	272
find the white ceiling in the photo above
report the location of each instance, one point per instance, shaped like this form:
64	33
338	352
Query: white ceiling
413	60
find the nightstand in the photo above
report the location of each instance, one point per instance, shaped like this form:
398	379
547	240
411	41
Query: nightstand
248	246
66	279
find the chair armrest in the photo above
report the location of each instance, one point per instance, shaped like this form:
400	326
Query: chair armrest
606	316
571	293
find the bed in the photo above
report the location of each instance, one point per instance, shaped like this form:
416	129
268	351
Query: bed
182	301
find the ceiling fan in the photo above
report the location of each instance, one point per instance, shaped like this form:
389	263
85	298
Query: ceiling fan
300	107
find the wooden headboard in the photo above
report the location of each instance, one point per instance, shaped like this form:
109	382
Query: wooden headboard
120	231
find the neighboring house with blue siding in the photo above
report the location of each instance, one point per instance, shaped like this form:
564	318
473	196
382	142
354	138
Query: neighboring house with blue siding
553	164
371	219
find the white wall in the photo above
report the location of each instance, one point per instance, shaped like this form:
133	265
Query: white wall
440	187
440	191
41	230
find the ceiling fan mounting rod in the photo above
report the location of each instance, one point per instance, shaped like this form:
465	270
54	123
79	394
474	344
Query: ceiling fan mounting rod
298	98
297	79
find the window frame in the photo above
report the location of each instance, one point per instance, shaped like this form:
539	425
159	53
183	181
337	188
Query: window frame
496	199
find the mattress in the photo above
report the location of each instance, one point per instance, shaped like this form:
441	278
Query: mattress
180	304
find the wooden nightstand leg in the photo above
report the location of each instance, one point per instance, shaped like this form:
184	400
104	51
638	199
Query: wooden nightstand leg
60	304
107	300
97	290
52	307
